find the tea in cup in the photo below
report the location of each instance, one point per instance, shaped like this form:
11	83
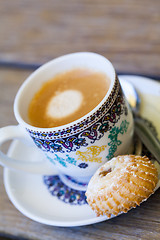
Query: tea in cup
74	111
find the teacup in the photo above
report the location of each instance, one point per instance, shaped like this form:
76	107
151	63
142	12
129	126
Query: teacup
79	148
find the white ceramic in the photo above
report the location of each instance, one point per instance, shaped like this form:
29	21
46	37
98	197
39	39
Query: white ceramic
79	148
32	198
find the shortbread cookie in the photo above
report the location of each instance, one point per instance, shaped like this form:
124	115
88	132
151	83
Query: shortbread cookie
121	184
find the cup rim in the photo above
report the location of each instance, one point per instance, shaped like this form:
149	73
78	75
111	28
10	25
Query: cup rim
68	125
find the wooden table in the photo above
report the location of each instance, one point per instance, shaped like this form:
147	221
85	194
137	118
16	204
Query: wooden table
33	32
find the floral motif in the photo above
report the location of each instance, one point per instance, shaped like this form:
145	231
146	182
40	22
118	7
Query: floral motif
113	135
83	165
61	160
104	127
91	154
68	195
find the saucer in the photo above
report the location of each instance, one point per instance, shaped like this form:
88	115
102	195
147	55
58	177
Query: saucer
32	194
31	197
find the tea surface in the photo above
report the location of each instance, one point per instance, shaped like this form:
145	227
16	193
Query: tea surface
67	97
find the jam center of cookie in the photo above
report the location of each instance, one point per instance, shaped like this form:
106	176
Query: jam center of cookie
105	172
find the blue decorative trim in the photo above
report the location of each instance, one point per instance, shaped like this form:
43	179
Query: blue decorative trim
83	165
62	160
68	195
73	180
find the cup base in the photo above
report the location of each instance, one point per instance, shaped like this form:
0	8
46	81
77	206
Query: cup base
79	184
62	192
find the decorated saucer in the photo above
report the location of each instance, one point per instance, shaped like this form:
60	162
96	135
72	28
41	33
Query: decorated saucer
46	199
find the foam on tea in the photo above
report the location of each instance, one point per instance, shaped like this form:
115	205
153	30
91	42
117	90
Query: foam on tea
64	103
67	97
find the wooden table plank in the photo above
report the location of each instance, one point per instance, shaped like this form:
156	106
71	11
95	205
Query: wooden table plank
127	32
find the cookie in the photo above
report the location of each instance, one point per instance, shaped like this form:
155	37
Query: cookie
121	184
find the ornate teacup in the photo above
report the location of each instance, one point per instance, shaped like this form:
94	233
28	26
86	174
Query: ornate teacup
77	149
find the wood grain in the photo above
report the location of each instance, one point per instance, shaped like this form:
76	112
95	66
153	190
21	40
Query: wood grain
127	32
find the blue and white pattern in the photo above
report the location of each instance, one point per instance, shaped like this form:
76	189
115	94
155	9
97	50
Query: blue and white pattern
64	193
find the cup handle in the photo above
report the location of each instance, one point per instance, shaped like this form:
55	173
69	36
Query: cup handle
38	167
